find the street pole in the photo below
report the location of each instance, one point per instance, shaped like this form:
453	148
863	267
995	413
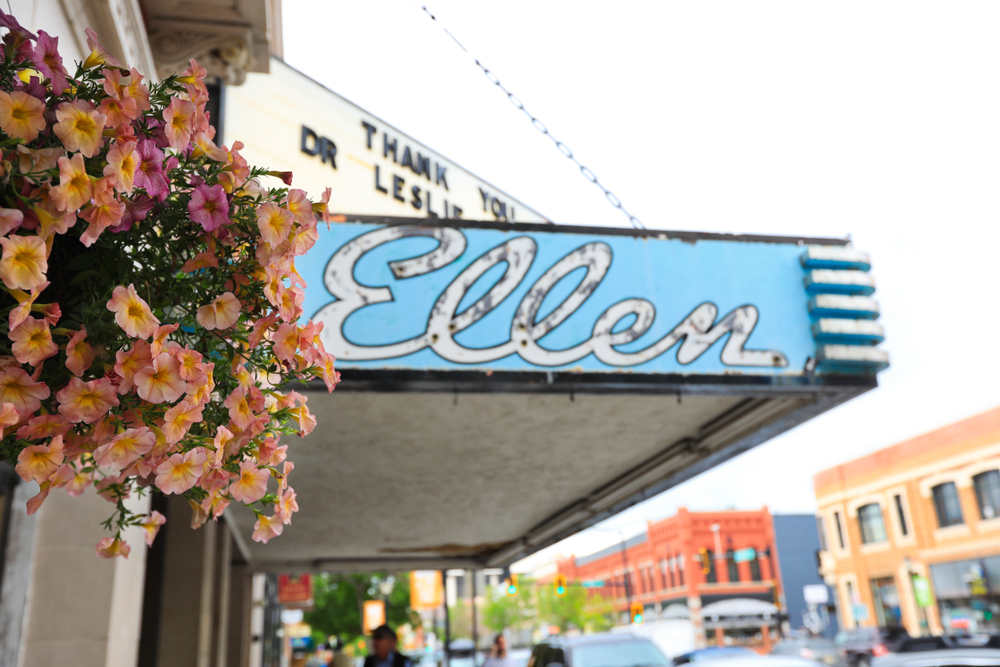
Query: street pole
447	621
475	633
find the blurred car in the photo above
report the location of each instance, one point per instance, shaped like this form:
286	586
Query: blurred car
942	652
714	653
860	645
812	648
601	650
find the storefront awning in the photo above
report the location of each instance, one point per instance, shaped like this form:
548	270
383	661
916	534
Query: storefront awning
505	386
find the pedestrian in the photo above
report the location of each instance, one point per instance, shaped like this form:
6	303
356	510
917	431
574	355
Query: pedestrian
498	654
340	659
384	646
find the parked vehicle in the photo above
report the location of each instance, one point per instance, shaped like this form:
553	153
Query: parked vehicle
860	645
601	650
714	653
942	652
812	648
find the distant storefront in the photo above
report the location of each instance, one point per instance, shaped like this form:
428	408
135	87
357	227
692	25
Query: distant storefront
909	532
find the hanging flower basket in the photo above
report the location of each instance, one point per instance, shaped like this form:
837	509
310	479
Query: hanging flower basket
151	307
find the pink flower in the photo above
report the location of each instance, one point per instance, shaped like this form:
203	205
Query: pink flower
178	122
222	313
43	426
178	420
136	210
149	175
80	127
33	342
131	362
286	342
180	472
105	211
239	409
24	263
17	388
98	54
125	448
123	162
286	506
49	63
161	382
152	526
290	306
191	366
160	337
39	462
209	207
25	302
79	354
132	313
274	223
87	402
8	417
36	501
266	528
113	547
251	484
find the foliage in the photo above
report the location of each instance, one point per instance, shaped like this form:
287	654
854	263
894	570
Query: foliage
574	610
171	300
338	600
502	612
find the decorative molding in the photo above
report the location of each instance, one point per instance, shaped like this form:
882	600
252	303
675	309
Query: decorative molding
119	27
225	51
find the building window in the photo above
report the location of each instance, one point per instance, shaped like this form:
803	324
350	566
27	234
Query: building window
886	599
872	524
903	530
663	574
947	505
710	577
988	493
652	578
755	568
680	569
734	569
840	530
821	529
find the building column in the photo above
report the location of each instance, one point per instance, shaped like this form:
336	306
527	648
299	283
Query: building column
76	607
720	637
694	608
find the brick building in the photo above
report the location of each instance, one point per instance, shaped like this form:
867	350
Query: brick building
911	533
683	564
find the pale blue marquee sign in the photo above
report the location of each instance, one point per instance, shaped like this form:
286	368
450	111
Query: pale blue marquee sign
502	297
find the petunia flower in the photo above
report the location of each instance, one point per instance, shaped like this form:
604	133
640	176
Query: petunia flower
191	366
49	63
25	304
9	22
112	547
251	484
75	187
222	313
123	161
239	408
152	526
79	483
179	419
149	175
180	472
86	402
137	90
290	304
79	353
33	342
178	123
119	111
43	426
125	448
127	364
136	209
160	337
10	220
98	54
21	115
161	382
209	207
105	211
36	501
80	127
24	262
132	313
8	418
286	506
18	388
322	207
39	462
274	223
266	528
286	341
36	161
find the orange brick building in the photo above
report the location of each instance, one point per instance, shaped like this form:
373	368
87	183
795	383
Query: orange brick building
911	533
685	563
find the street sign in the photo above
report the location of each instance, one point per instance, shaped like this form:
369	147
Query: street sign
816	594
593	584
426	590
860	612
295	590
922	591
374	615
744	555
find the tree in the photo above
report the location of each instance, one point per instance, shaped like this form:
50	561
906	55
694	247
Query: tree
566	611
338	601
502	611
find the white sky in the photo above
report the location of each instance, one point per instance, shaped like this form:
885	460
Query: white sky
878	120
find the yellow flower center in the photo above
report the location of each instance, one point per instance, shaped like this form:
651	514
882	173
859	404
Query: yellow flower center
20	113
24	257
135	311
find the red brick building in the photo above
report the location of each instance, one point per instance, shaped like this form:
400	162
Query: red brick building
687	562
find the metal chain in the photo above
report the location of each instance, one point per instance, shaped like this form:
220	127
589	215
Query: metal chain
540	126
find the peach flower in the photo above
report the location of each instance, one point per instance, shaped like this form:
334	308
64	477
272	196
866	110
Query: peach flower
251	484
33	342
161	382
221	313
132	313
87	402
24	261
180	472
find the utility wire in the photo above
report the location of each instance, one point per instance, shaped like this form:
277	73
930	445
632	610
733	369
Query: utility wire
540	126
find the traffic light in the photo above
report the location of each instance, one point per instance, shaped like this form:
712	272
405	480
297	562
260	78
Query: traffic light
637	610
706	564
559	585
511	583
